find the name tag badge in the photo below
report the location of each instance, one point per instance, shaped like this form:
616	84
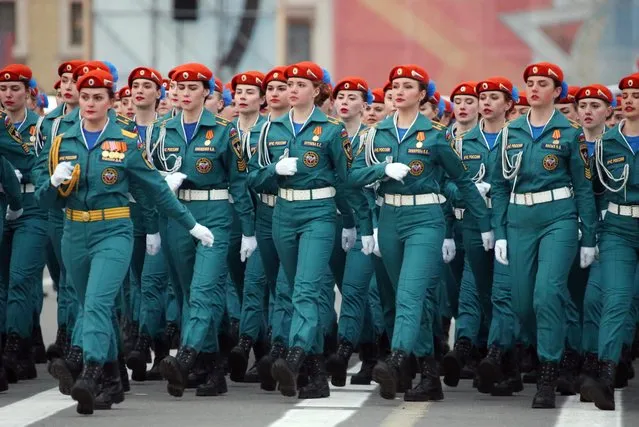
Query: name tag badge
382	149
422	151
472	156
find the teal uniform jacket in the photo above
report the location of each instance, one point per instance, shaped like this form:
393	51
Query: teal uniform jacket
324	154
16	151
547	165
618	240
8	178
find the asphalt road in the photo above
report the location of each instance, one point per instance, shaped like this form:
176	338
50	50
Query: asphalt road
38	403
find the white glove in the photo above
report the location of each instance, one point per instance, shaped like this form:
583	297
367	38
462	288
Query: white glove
153	244
376	250
586	257
249	244
203	234
488	239
396	171
287	166
349	235
448	250
61	173
501	251
175	180
13	215
483	188
368	245
18	175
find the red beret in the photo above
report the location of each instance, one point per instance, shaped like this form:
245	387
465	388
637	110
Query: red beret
305	70
192	72
166	84
388	86
409	71
171	72
499	84
465	88
435	98
544	69
95	79
87	66
56	85
378	95
251	78
276	74
219	86
351	83
630	82
69	66
124	92
145	73
16	73
596	91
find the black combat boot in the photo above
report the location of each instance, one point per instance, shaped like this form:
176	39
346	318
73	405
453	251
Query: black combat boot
215	383
317	387
368	355
430	386
87	387
67	370
589	370
234	331
131	337
511	382
172	335
176	370
530	366
331	341
545	396
264	365
337	363
388	373
623	368
239	358
161	350
455	360
124	374
602	390
199	372
136	360
11	357
260	349
285	371
489	370
38	350
384	347
568	372
26	363
111	392
57	350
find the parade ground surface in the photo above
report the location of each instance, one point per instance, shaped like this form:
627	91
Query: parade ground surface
38	403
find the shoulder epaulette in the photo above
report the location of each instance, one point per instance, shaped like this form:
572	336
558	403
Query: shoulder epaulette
129	134
574	124
439	126
221	120
333	120
123	119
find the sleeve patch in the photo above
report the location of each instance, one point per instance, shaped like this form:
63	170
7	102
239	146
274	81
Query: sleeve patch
583	153
129	134
147	162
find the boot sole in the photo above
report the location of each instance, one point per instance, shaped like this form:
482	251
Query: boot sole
600	399
337	370
429	397
489	373
314	394
85	400
386	381
355	380
137	366
452	370
238	364
171	372
267	382
60	372
283	375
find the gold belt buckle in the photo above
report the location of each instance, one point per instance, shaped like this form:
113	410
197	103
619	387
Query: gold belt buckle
86	216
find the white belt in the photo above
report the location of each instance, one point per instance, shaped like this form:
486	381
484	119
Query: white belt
200	195
301	195
413	199
459	213
624	210
268	199
379	201
530	199
27	188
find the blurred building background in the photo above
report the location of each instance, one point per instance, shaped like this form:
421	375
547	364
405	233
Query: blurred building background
455	40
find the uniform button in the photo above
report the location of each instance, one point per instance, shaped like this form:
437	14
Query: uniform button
86	216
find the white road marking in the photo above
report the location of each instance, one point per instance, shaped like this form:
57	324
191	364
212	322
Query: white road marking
574	413
331	411
35	408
